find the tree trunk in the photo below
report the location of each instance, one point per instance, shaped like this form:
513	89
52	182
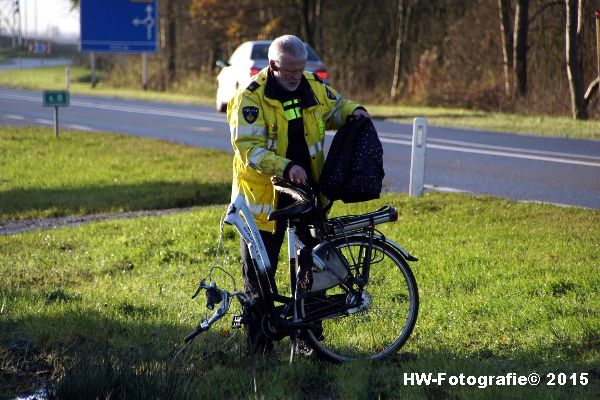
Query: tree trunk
311	21
404	9
595	85
306	28
520	47
507	42
171	42
574	59
318	34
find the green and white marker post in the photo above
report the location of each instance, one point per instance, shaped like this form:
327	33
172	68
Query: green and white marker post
56	98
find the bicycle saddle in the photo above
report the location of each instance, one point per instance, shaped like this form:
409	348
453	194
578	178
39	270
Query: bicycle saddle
302	205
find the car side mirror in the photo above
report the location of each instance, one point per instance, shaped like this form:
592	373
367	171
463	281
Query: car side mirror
222	64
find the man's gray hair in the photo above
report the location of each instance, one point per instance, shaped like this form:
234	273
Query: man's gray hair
288	45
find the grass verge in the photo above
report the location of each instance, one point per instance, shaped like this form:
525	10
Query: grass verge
84	173
54	78
496	122
100	309
201	91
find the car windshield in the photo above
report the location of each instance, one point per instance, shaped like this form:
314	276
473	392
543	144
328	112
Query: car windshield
261	52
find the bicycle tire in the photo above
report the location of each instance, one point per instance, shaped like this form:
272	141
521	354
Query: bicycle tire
386	324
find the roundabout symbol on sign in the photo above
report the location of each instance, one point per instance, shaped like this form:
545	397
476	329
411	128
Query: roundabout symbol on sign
148	21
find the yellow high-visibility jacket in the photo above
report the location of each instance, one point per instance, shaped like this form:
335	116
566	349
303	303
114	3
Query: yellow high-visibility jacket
259	138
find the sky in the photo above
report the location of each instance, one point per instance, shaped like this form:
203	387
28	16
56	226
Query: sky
50	17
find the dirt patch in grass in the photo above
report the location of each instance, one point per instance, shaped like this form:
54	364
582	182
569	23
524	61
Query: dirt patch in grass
23	368
14	227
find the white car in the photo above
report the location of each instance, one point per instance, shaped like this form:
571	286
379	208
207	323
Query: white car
246	61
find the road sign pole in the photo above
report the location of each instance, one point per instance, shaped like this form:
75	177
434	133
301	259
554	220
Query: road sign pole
145	71
93	67
55	122
417	161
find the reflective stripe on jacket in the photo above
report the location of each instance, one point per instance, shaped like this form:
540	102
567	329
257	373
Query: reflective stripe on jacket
258	126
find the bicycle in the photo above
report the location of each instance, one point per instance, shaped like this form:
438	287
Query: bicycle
362	291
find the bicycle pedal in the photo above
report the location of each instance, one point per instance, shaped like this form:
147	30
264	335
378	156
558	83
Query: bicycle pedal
237	321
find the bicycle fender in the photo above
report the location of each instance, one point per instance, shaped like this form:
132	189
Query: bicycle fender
399	248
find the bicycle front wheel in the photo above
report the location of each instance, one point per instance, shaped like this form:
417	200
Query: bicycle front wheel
383	321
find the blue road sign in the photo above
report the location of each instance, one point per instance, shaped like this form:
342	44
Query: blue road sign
119	26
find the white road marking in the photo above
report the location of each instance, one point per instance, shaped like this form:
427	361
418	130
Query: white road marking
21	97
511	152
488	146
79	127
13	116
199	116
516	154
445	189
204	129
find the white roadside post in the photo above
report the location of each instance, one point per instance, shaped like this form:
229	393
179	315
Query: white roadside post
67	78
417	161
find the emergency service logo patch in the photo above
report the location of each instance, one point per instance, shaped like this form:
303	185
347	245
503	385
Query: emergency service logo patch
250	114
330	94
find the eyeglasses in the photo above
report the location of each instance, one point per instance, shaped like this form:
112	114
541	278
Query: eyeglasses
287	71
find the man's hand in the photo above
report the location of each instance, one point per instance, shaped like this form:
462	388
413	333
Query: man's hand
360	113
298	176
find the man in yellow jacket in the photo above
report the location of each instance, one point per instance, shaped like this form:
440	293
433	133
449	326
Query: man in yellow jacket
278	126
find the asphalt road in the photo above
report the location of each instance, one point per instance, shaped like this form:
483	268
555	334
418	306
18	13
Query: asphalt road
520	167
26	63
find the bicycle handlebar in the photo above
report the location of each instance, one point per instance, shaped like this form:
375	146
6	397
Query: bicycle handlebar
216	295
199	329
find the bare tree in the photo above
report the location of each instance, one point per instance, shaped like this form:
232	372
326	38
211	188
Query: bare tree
404	10
520	47
310	11
595	85
170	46
507	42
573	57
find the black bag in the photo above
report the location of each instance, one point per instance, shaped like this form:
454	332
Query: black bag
353	170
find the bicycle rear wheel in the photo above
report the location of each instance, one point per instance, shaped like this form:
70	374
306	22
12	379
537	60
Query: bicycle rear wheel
388	313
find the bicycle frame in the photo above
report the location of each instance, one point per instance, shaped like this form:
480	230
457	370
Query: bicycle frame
240	217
